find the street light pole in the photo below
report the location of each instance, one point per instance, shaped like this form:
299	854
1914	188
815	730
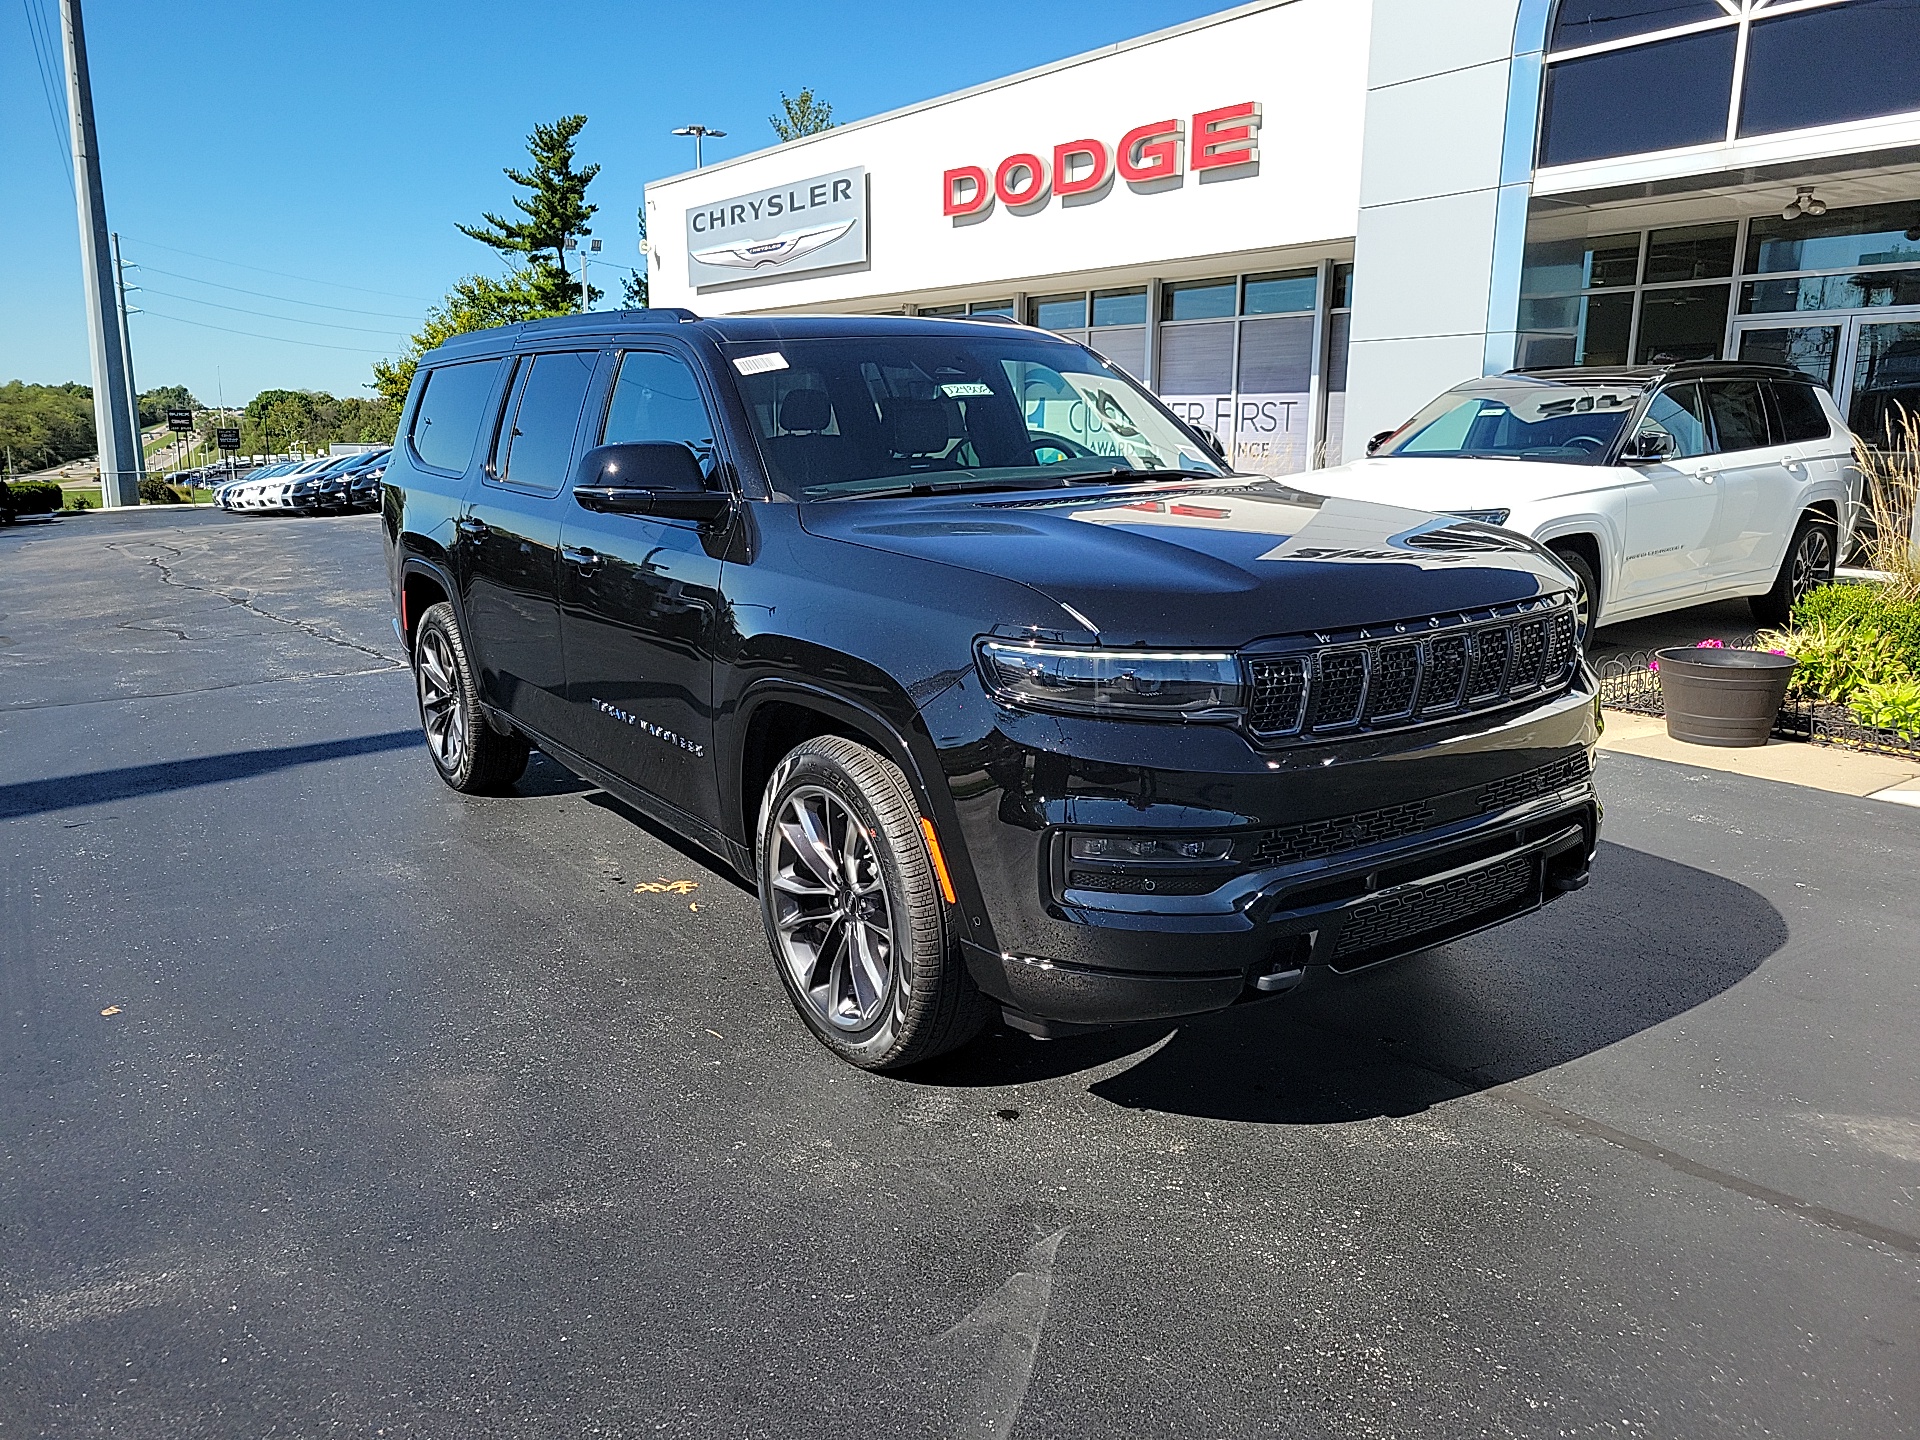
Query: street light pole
112	404
126	349
699	133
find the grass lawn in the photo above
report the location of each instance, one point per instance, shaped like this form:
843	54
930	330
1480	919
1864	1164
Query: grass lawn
89	493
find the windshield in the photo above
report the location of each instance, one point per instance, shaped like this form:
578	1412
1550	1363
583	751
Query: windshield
842	418
1513	418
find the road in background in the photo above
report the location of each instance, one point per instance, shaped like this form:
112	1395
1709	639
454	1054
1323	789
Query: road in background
412	1115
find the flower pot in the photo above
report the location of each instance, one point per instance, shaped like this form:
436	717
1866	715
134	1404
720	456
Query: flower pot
1723	697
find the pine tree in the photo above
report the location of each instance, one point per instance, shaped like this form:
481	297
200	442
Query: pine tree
801	115
633	289
556	210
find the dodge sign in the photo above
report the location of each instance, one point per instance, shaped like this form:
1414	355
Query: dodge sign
813	224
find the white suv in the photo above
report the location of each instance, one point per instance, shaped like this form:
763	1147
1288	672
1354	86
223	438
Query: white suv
1659	487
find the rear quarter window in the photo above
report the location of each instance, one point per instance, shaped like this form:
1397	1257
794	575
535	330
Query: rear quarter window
1802	417
447	421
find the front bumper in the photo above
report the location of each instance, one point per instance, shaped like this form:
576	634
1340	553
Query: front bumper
1483	825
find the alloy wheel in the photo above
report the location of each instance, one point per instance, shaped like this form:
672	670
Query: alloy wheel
443	707
1812	560
832	916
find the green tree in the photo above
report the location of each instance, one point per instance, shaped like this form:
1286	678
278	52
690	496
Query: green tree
802	114
555	209
633	289
155	403
479	302
44	425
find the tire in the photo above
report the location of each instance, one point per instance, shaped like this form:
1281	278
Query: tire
838	828
1586	595
469	753
1809	564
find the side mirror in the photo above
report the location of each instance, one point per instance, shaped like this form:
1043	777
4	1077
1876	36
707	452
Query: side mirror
1648	448
662	480
1212	440
1373	445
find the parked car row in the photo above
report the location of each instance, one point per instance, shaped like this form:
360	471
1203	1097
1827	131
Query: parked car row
327	485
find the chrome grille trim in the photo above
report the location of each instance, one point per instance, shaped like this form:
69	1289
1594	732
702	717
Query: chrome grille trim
1418	672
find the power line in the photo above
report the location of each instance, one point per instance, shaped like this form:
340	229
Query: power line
283	274
255	334
269	295
43	59
266	315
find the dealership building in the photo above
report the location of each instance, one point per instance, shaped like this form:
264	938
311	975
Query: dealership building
1299	220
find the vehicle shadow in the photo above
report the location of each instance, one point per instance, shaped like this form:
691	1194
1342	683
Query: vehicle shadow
1649	940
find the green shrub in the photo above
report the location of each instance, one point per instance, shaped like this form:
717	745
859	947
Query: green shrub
79	502
1871	605
1889	705
30	497
155	491
1835	660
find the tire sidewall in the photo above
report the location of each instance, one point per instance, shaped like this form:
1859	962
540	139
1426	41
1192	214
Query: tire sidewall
874	1046
439	620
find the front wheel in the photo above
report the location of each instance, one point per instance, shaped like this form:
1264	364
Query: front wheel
469	753
1809	565
853	909
1586	592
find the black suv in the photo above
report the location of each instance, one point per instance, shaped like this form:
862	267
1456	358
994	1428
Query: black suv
1007	695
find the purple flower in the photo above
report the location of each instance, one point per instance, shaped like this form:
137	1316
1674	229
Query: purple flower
1654	666
1711	645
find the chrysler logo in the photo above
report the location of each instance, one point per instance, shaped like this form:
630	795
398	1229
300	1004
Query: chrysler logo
777	250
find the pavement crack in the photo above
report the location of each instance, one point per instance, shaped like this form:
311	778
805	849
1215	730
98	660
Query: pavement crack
167	577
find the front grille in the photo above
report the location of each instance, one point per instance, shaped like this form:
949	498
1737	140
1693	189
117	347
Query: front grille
1529	784
1424	671
1432	908
1317	839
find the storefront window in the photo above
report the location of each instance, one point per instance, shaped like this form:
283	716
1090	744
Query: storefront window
1831	292
1287	292
1693	252
1810	349
1561	267
1058	312
1685	324
942	312
1663	74
1120	307
991	307
1341	297
1840	239
1198	300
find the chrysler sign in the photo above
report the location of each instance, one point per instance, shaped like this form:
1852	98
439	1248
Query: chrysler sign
810	224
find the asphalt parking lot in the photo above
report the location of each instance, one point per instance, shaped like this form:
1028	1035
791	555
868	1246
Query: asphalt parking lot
333	1102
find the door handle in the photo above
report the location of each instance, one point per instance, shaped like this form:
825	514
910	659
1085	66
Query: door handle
472	526
584	558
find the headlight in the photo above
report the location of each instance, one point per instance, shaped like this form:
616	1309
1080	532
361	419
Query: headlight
1126	684
1101	846
1485	517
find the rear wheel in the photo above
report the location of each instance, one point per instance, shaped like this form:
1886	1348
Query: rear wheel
1809	565
853	909
1586	593
469	753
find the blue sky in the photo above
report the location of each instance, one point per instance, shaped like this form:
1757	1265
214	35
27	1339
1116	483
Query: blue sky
330	146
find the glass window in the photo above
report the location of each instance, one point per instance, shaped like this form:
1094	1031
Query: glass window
1287	292
1594	329
1573	424
1197	300
447	421
537	441
1692	252
1124	347
1677	412
1831	65
991	307
1739	415
1831	292
1058	312
1810	349
1339	330
1837	240
1560	267
1886	381
1342	298
1650	97
1802	417
1594	22
1685	324
1276	356
656	399
942	312
1120	307
994	409
1197	360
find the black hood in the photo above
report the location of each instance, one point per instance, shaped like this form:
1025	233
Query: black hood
1208	563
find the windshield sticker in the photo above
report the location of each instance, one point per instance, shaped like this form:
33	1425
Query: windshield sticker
961	389
760	364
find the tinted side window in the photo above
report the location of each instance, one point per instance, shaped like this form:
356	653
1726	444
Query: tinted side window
447	421
1801	415
1739	415
1679	412
537	441
656	399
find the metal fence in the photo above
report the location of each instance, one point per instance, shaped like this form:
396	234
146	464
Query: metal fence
1629	683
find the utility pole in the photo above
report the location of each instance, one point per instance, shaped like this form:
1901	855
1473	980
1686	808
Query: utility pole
112	402
126	349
